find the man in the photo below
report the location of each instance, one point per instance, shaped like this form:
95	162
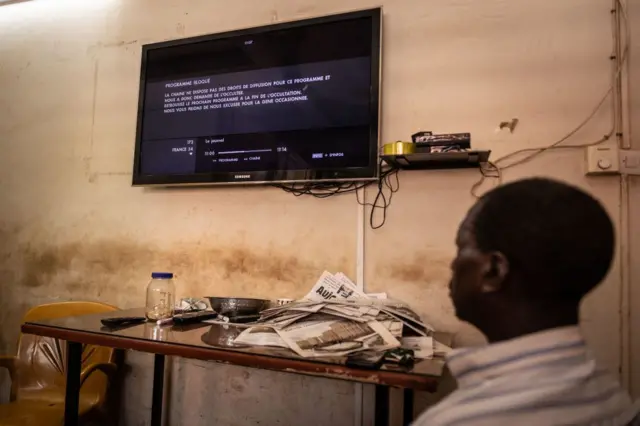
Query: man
528	252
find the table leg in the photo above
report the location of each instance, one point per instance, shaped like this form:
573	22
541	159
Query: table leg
382	406
158	390
72	395
407	407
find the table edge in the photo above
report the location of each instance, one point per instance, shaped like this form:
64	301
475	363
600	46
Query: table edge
266	362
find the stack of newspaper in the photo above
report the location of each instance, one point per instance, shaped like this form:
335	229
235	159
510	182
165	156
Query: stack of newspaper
336	319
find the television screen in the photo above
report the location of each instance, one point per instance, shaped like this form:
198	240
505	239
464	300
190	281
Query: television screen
290	102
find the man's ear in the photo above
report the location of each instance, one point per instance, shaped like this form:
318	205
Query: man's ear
495	272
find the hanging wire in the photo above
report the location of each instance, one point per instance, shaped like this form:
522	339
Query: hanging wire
387	184
494	169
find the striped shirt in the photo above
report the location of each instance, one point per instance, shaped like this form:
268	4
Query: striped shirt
542	379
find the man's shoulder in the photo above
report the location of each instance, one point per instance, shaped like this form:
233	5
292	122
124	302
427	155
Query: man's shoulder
534	402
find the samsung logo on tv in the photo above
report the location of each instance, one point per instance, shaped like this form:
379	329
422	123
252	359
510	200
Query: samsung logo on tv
242	176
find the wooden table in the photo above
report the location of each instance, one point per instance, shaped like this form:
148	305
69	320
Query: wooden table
215	343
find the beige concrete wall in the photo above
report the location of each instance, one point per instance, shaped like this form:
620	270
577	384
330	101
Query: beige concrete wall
71	227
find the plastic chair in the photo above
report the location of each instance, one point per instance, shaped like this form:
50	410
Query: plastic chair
38	375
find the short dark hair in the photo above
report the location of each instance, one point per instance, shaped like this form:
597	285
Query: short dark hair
558	239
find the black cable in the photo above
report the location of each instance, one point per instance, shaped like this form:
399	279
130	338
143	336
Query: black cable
384	181
330	189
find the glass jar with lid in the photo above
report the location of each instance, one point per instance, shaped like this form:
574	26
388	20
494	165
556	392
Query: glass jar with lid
161	294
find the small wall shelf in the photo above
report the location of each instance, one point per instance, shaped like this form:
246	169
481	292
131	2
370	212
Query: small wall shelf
437	160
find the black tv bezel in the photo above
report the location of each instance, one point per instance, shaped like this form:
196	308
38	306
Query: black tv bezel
369	172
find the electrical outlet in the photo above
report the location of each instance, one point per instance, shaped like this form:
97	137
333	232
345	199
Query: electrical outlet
603	159
630	162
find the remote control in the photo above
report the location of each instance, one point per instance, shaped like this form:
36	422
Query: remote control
120	321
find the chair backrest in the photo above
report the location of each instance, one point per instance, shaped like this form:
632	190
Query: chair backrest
42	360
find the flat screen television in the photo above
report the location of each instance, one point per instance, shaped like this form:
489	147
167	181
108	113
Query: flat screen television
290	102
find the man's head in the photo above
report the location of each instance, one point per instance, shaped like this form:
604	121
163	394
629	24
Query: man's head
535	246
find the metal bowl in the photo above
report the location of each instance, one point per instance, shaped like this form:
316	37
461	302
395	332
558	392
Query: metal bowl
233	306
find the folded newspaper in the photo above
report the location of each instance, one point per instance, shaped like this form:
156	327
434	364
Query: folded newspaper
336	319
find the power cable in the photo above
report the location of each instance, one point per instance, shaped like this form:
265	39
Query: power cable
381	202
496	168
